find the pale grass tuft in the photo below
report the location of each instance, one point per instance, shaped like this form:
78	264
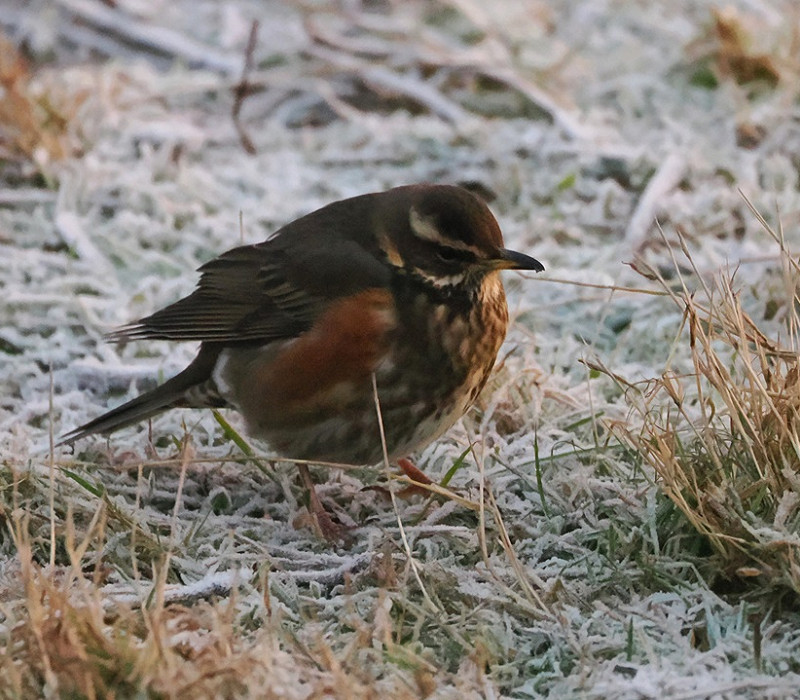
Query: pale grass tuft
63	636
724	438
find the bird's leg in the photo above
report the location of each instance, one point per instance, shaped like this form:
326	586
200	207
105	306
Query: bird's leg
326	526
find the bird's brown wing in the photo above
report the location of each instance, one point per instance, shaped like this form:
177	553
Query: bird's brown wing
263	292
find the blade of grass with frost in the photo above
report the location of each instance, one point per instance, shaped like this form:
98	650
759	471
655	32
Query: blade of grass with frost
456	466
629	641
539	482
113	508
233	435
97	491
571	427
236	438
459	462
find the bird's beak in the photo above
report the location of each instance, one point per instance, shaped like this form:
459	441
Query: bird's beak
512	260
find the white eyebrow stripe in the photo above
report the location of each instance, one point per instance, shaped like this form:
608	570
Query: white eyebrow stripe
425	229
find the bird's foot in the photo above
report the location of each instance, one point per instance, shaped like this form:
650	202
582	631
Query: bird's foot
324	525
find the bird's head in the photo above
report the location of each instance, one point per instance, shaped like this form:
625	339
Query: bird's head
445	236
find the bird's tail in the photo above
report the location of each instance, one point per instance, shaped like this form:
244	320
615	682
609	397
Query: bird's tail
187	389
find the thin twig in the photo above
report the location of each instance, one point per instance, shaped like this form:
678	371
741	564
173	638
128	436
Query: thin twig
403	536
52	474
609	287
244	89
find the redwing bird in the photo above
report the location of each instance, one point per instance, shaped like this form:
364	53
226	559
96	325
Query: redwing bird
403	285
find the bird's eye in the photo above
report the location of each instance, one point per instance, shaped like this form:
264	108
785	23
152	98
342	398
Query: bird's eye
448	255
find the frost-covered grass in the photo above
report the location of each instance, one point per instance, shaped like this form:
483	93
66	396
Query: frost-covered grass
626	522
